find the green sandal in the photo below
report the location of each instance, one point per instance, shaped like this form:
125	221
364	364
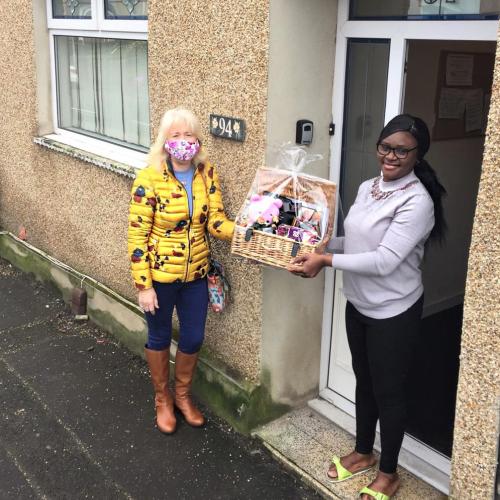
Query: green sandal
377	495
344	474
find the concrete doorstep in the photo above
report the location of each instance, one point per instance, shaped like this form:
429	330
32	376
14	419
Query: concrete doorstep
304	441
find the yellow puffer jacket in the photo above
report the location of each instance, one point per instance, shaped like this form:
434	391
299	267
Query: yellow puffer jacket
164	243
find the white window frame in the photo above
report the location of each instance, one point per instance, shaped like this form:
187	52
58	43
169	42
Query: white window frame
96	27
97	22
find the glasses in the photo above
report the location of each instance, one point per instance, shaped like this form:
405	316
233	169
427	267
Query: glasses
400	153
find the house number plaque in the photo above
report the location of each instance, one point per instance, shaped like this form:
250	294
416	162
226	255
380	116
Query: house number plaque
227	127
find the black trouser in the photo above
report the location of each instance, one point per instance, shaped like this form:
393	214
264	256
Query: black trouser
382	350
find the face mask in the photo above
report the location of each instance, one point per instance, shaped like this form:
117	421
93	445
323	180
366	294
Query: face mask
182	150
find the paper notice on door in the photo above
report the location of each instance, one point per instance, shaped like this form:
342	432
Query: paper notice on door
451	103
473	110
459	68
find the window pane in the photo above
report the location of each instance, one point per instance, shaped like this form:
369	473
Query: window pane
102	89
486	8
126	9
423	9
76	9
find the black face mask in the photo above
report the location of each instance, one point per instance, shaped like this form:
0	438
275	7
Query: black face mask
413	125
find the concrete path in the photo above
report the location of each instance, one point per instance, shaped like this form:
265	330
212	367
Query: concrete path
76	418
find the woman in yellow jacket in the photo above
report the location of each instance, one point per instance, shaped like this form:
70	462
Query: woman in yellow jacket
174	201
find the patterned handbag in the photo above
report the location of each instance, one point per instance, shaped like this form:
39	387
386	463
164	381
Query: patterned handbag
218	287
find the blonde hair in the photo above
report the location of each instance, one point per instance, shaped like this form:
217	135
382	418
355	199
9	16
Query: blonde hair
157	154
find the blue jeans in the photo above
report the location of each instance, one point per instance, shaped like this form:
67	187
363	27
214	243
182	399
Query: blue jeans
191	302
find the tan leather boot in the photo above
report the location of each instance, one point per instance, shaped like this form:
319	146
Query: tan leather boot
159	362
185	364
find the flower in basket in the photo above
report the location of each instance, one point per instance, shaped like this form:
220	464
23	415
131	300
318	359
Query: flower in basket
263	212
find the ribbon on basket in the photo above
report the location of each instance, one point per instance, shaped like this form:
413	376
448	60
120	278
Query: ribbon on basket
294	158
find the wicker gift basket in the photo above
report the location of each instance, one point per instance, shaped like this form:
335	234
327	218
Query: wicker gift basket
286	213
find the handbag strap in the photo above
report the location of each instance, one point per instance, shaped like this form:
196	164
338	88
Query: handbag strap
211	260
207	234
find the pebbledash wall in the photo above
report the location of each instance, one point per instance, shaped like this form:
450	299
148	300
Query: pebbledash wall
243	59
476	435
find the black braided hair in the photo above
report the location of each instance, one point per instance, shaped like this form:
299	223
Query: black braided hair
418	129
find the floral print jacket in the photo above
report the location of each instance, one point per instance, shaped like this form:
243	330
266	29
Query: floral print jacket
165	244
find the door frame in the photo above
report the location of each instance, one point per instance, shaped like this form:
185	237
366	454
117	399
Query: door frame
420	459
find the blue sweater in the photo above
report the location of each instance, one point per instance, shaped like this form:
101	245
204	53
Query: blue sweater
186	179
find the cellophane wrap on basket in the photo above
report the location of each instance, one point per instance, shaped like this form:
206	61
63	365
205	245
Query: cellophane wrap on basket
286	213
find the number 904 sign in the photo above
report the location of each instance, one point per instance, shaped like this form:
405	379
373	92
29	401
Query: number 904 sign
227	127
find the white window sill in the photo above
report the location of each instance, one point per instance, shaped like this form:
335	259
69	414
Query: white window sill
121	160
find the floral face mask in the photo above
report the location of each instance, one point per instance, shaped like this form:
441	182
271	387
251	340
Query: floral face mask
181	149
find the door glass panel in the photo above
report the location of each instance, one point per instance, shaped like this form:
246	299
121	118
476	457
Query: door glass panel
366	84
424	9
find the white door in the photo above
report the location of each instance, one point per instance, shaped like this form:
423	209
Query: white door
369	87
367	65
